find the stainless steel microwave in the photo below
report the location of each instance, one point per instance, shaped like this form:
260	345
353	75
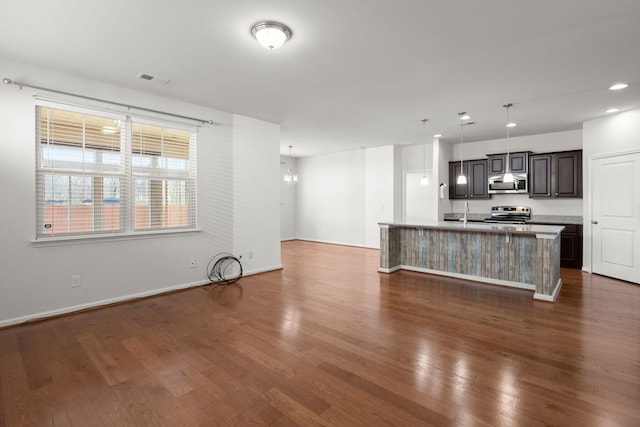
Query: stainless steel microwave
519	184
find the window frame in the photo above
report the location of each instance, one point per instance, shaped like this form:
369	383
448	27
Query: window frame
123	172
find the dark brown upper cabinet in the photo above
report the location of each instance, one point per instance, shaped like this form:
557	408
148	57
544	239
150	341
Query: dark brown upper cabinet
556	174
519	163
477	180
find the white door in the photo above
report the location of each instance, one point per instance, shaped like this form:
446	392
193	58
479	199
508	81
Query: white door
418	200
615	224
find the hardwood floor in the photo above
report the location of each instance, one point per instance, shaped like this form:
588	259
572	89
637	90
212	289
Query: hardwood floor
329	341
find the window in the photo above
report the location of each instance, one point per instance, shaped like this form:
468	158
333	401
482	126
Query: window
103	173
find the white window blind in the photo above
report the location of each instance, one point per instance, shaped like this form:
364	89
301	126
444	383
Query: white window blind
163	170
100	173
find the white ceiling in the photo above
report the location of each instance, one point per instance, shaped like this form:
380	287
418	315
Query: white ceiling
357	73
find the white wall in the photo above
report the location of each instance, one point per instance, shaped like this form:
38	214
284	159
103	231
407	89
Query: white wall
542	143
414	160
608	135
378	192
256	189
36	281
416	156
341	197
331	198
397	183
287	200
443	153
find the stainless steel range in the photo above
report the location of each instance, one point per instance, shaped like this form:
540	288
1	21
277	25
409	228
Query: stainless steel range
509	214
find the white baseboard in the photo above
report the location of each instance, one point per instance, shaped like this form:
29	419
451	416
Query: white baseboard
527	286
130	297
536	295
262	270
469	277
331	242
553	296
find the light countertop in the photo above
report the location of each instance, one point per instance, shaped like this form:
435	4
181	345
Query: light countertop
535	219
525	229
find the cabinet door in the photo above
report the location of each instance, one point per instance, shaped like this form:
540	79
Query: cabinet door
477	179
518	162
571	246
497	164
540	176
567	177
457	191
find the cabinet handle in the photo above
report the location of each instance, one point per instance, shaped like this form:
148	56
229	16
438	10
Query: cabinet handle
593	221
556	194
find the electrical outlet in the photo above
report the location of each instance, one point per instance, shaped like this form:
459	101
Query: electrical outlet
75	281
192	263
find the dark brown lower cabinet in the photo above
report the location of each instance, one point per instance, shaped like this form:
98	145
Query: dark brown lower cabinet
571	246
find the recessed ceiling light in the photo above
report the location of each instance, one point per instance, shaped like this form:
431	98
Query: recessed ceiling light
271	35
512	125
619	86
437	135
612	110
464	116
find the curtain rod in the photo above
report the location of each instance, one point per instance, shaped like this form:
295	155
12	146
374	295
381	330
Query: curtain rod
8	81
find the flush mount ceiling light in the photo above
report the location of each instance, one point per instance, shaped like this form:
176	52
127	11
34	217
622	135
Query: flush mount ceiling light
619	86
612	110
437	135
271	35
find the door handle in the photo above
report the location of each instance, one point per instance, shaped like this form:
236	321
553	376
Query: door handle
593	221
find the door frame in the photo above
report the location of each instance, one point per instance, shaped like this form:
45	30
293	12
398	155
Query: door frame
587	221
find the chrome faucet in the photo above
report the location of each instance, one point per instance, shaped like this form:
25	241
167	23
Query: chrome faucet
466	209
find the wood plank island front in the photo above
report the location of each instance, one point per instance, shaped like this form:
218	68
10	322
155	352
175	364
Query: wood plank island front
521	256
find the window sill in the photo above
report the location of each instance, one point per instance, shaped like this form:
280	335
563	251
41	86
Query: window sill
97	238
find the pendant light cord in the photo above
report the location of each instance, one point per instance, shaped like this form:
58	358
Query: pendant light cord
507	167
461	134
424	147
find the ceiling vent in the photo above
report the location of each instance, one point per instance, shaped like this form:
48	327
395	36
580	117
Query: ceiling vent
151	78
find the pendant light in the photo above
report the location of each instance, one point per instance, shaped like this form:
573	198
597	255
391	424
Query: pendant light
508	176
424	180
462	179
291	177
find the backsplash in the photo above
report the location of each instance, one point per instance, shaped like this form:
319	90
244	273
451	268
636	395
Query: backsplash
554	206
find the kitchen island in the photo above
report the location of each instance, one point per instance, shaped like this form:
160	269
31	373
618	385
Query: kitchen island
521	256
